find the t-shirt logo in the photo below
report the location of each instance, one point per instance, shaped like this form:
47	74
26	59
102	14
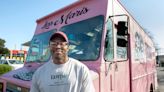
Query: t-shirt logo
59	79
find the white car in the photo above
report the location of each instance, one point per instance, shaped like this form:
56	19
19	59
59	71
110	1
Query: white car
16	64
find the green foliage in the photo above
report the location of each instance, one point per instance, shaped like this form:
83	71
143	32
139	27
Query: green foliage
4	68
3	50
2	43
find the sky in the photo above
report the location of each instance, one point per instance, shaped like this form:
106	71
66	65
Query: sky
149	14
18	18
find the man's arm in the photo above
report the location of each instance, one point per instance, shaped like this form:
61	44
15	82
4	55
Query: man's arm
34	86
87	83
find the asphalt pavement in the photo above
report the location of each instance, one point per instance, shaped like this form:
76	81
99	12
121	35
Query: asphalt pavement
160	77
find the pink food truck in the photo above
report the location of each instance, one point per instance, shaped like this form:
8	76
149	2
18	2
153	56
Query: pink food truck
103	36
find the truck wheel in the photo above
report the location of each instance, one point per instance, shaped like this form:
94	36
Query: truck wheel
151	88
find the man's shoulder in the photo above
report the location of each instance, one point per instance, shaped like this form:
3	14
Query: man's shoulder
77	63
43	67
72	59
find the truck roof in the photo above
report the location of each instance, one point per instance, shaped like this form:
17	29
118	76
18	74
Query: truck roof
60	10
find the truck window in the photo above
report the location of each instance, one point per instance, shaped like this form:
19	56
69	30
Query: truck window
121	52
39	51
109	48
122	39
85	38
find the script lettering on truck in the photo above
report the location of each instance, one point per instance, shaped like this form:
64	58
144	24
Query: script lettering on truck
65	18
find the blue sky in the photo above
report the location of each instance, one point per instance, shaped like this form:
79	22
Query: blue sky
150	15
18	17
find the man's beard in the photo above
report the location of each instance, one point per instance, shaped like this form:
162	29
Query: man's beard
61	57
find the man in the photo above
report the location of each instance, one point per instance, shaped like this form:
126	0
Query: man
61	73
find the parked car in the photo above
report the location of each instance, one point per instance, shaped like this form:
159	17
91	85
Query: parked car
12	62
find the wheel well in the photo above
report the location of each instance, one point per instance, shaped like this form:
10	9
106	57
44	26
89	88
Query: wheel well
151	88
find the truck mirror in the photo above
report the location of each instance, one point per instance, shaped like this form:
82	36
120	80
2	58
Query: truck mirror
122	42
122	29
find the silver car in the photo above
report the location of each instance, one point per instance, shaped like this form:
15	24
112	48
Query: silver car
16	64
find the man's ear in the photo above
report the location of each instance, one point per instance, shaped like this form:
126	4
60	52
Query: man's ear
49	47
67	47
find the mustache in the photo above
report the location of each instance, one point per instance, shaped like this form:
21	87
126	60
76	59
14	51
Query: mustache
52	51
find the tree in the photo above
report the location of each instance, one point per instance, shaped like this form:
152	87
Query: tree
3	50
157	48
2	42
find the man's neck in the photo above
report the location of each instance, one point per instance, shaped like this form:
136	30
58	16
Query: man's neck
60	61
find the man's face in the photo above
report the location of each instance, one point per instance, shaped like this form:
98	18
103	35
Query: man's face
59	48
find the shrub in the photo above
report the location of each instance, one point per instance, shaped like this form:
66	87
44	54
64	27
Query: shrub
4	68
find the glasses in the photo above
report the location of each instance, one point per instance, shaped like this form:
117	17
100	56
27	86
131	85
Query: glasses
53	44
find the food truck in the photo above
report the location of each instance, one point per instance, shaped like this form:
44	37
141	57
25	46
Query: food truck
102	35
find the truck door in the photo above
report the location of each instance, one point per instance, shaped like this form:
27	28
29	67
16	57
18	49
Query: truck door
116	54
122	47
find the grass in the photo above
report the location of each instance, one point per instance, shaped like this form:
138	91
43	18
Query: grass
4	68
